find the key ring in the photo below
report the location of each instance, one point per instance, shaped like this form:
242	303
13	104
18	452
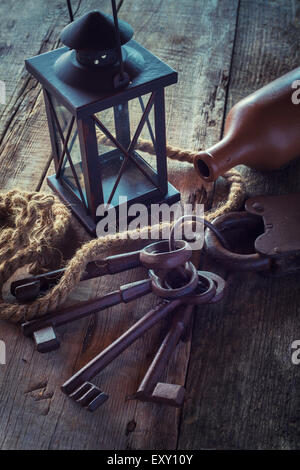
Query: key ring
159	289
205	291
157	255
219	284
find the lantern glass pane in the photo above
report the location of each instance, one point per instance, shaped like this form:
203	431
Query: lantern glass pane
146	139
136	176
71	172
106	117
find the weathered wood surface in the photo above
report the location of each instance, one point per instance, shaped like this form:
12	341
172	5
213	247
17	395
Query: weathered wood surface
241	384
243	387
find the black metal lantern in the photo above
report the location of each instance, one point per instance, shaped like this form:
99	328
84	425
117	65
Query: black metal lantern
93	88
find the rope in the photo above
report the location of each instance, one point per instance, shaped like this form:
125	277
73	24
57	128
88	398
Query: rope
36	222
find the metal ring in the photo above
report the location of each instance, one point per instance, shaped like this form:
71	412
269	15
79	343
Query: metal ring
219	283
231	260
158	284
158	256
203	297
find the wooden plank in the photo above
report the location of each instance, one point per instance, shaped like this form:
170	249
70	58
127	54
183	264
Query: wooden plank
243	386
171	31
23	129
36	414
146	425
24	137
24	151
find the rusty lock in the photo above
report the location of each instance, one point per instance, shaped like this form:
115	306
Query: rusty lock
271	225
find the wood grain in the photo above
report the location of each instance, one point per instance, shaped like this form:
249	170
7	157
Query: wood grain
36	415
244	389
29	29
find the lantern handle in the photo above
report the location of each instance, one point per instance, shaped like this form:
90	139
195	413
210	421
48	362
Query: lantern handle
69	5
122	79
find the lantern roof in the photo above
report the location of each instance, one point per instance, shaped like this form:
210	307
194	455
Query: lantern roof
95	30
148	75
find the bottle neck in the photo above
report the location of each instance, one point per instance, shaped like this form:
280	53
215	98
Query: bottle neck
219	158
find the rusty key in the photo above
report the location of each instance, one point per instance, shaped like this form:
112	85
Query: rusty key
151	389
43	329
79	385
154	255
27	289
81	379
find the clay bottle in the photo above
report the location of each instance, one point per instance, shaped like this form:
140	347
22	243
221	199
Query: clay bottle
262	131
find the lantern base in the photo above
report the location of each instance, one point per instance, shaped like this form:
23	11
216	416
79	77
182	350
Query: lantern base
86	219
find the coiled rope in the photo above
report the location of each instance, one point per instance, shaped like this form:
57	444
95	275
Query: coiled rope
34	223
